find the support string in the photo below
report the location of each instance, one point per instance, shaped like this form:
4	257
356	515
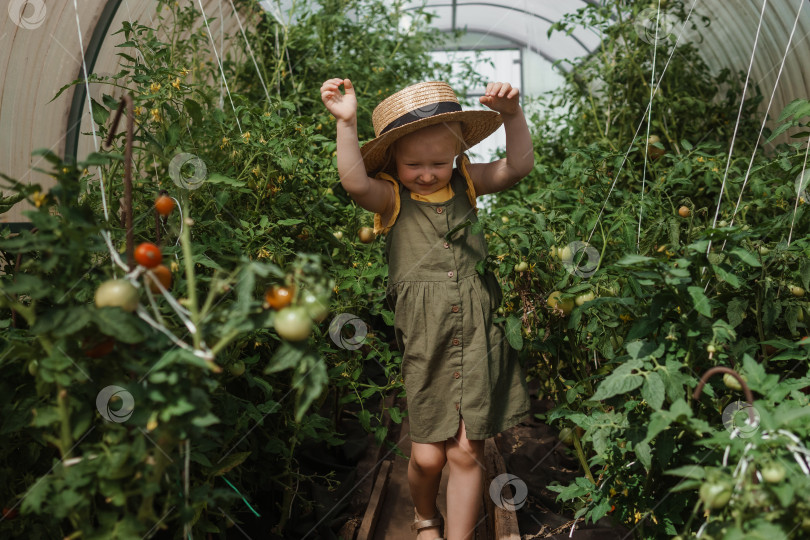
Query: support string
250	51
737	124
765	116
219	62
649	121
641	123
799	189
90	110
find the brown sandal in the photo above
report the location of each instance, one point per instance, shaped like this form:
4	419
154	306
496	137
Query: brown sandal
436	521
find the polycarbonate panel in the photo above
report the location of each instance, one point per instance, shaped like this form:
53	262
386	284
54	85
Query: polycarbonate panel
523	22
729	42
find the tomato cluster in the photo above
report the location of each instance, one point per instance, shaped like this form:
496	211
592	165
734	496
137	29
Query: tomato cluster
293	321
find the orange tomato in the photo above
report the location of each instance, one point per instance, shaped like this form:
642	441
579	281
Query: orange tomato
163	275
278	297
164	205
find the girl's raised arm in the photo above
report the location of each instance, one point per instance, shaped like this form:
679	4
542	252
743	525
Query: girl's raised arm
519	160
372	194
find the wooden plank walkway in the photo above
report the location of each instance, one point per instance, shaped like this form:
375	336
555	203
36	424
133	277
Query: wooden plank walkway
389	513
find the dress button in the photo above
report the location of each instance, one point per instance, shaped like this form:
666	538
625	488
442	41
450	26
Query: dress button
456	374
454	309
450	273
439	210
446	245
456	342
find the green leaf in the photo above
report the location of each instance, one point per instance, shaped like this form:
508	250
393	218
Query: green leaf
700	301
216	178
36	496
205	420
695	472
728	277
287	356
653	390
513	332
121	325
736	310
100	113
194	111
746	256
625	378
289	222
629	260
644	454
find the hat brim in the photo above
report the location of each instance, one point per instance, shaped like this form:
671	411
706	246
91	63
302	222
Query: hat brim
476	126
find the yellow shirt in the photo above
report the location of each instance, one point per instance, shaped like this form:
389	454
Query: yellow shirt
442	195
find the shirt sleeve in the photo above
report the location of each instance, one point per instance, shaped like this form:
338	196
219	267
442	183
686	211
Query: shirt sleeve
379	228
463	162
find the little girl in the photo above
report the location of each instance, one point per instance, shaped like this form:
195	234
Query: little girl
462	380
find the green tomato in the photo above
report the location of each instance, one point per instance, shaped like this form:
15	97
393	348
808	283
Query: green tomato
715	495
237	368
764	250
522	266
797	291
773	473
117	293
317	308
567	436
33	367
731	382
293	323
582	298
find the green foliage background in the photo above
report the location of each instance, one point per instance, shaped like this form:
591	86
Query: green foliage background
673	296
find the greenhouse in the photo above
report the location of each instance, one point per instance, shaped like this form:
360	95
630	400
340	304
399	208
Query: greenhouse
405	269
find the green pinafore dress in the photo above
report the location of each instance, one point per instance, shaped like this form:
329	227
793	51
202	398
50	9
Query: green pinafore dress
456	363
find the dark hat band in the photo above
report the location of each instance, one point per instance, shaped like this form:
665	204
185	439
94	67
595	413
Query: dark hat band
421	113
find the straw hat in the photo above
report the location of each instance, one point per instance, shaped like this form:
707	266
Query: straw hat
421	105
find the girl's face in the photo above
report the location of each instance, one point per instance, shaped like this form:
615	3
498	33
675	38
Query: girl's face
424	158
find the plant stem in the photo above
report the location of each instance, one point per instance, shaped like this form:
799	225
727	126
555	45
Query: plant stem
581	457
188	260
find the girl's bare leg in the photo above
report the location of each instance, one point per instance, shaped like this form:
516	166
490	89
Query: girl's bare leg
465	486
424	476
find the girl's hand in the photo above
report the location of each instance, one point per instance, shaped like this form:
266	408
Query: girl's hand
501	97
342	107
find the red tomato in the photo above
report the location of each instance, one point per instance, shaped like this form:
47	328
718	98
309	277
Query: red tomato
164	205
10	513
99	349
148	255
